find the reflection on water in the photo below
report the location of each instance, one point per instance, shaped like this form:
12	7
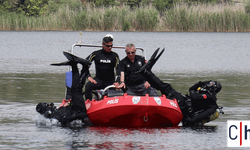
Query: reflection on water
31	88
27	79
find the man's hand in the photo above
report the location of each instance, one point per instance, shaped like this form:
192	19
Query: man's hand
92	80
116	84
147	85
122	85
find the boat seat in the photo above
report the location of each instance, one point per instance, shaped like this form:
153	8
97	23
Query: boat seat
110	93
113	93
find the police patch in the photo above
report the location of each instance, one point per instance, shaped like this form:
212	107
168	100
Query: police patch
136	99
157	100
139	63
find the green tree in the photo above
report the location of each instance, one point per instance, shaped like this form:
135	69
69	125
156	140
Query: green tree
203	1
33	7
161	5
145	2
133	3
52	6
7	5
104	3
247	6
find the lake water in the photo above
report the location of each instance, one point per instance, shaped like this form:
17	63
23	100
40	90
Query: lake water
26	78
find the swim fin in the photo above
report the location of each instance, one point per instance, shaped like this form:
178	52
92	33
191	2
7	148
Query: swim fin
77	59
148	66
66	63
151	63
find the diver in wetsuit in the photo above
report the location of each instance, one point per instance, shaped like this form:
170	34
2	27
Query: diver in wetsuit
106	61
203	97
77	108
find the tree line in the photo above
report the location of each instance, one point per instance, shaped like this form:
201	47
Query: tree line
124	15
43	7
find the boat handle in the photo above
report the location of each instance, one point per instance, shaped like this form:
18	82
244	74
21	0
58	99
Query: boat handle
108	87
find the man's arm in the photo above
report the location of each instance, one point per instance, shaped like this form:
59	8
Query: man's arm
122	84
91	58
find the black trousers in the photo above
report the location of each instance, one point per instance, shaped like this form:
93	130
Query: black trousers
78	103
140	90
203	115
91	86
77	109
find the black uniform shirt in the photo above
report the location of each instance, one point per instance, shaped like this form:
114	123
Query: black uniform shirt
105	64
129	68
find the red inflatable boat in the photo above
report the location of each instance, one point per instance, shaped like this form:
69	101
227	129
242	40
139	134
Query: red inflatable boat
123	110
134	111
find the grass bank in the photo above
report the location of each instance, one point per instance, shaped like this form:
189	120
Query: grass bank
208	18
183	17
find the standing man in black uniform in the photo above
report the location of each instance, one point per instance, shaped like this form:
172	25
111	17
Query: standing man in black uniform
106	61
135	84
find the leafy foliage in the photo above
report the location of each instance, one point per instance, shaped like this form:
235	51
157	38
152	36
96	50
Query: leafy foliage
7	6
247	6
104	3
122	15
34	7
132	3
161	5
39	7
29	7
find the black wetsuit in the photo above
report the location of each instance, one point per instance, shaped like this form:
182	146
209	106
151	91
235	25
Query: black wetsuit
165	89
76	109
135	83
203	100
105	64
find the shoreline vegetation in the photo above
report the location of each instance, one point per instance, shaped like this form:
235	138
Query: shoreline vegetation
222	17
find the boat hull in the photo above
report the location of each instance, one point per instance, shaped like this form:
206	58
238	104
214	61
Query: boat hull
134	111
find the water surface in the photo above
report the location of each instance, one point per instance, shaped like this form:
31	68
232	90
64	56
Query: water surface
26	78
